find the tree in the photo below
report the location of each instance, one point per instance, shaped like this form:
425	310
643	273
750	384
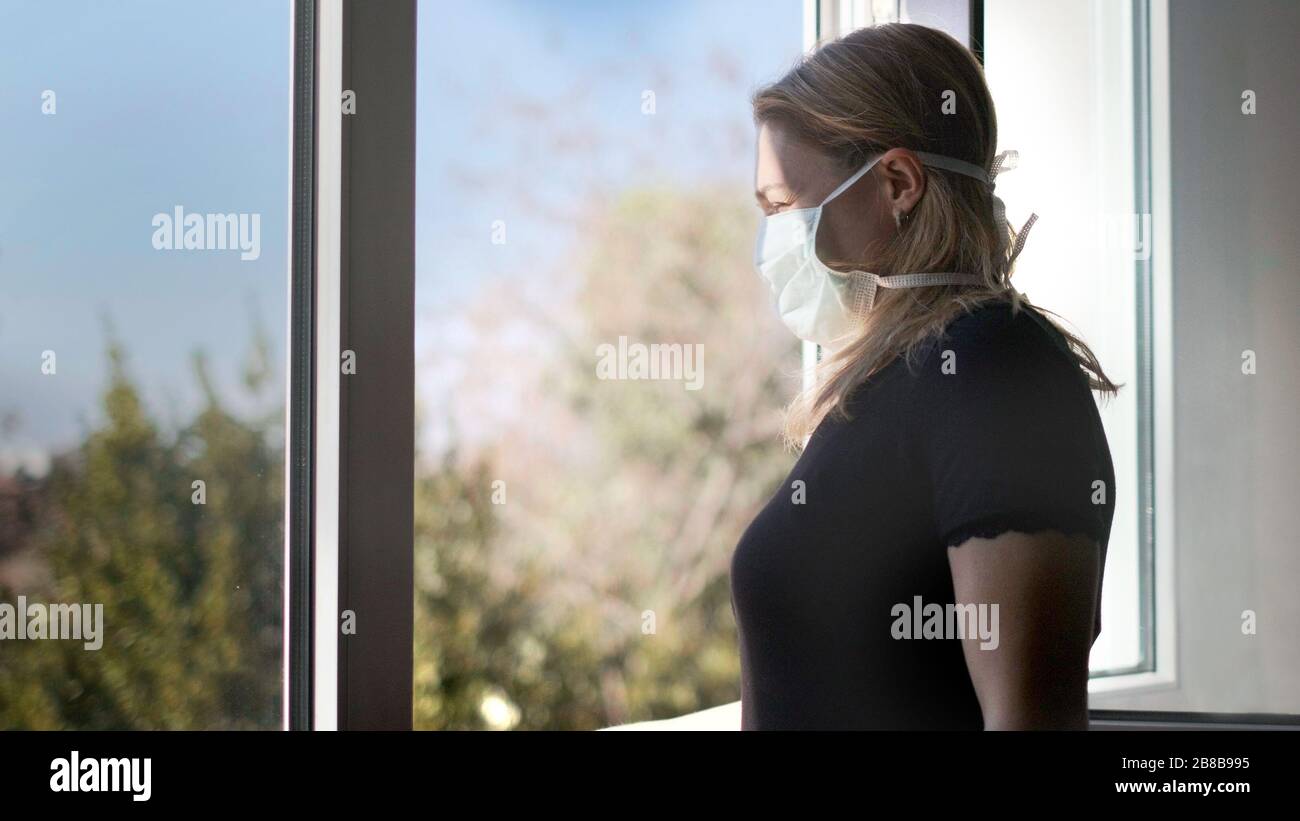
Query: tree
598	592
190	592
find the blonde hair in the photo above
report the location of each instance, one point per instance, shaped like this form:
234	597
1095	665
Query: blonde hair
884	87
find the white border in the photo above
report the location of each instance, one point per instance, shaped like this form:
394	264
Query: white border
811	11
1165	675
1162	342
285	577
329	188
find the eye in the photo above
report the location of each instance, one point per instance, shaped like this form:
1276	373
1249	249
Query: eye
774	197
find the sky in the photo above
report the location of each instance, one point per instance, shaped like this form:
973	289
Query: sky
527	110
157	104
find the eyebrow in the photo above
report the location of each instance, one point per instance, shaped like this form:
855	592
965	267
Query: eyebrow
762	192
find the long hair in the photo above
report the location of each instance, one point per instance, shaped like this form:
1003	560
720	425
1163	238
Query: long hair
909	86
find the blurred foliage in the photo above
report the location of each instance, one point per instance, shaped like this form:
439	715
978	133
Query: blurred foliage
597	593
191	592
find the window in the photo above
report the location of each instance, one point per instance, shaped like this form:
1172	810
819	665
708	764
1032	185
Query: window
582	197
143	282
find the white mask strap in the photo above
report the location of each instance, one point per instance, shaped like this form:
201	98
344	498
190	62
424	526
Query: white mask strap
957	166
844	186
864	291
927	159
1005	161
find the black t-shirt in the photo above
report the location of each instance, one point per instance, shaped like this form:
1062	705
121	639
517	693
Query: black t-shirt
991	428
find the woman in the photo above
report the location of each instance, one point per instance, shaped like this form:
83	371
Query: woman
952	451
954	454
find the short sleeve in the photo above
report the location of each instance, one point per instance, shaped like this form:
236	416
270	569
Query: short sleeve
1011	435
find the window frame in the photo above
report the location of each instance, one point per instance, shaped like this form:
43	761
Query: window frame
377	402
299	512
350	462
1156	669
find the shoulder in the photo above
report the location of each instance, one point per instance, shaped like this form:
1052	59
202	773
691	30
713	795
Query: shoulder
1001	373
997	344
1008	431
998	327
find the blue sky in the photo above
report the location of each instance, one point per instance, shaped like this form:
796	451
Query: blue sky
158	104
524	103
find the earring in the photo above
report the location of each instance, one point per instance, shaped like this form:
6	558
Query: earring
901	217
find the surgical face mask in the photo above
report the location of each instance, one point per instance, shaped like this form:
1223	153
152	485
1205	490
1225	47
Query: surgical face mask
822	305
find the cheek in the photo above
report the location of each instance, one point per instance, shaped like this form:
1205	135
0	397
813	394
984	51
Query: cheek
853	231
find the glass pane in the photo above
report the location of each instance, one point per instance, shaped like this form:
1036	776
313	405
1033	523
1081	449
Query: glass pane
143	284
951	16
1072	120
584	192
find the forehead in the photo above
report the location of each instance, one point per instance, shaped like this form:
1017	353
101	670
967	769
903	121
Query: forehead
784	160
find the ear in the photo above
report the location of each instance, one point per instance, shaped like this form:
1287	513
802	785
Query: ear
902	180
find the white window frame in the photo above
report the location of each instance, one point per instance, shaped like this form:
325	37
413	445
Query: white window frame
1164	675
